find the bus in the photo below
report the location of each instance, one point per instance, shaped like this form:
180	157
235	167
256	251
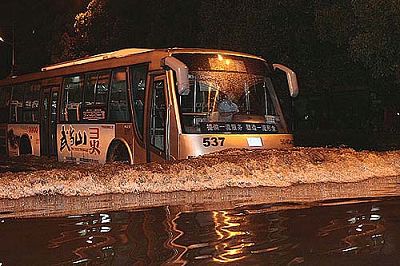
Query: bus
143	105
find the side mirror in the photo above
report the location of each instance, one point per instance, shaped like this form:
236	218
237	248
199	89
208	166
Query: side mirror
291	79
182	73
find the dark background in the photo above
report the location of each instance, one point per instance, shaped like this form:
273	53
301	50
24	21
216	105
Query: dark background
346	53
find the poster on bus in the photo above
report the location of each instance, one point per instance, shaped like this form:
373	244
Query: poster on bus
28	134
84	143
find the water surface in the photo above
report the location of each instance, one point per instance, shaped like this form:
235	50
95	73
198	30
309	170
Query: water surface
320	224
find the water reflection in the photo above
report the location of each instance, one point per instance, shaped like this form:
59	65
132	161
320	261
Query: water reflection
360	230
232	243
89	236
360	233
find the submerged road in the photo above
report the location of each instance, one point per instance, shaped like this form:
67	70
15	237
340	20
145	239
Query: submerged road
32	176
297	196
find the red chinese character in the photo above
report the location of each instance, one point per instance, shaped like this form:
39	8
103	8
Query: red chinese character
94	146
94	133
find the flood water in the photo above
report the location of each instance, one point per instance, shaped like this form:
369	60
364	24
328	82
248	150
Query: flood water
320	224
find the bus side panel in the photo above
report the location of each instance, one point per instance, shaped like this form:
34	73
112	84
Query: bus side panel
14	134
84	142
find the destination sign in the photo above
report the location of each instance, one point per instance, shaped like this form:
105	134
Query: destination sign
94	114
248	128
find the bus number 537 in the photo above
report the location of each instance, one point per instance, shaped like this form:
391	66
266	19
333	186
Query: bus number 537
213	141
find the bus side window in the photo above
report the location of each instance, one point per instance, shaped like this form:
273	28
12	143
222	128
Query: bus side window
16	104
96	88
138	78
90	87
5	97
95	96
102	87
72	99
31	104
118	109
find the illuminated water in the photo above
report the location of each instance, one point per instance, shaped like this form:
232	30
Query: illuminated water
329	224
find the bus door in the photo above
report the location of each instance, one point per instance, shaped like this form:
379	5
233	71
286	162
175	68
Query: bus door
48	123
158	121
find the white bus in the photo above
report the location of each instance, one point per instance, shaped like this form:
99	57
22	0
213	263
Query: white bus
142	105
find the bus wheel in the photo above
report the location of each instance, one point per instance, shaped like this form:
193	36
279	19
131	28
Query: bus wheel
25	146
118	153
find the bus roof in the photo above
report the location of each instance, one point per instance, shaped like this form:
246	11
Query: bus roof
98	57
110	59
133	51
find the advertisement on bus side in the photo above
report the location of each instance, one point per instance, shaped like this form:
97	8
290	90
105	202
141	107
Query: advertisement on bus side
84	142
23	138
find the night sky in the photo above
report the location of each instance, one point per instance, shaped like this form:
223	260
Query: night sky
32	21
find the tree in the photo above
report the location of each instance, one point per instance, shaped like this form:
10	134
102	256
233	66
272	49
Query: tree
368	30
375	41
111	25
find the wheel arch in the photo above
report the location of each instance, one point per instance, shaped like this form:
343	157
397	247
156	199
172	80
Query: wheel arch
122	141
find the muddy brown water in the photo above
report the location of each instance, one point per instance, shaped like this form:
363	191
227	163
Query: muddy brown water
309	224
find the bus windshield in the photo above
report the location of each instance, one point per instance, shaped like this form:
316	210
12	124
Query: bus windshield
229	94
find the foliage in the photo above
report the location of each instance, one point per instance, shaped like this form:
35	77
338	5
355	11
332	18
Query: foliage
368	30
110	25
377	36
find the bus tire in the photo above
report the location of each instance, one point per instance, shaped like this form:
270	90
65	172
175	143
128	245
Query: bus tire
25	146
118	152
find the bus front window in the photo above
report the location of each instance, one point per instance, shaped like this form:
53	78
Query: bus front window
237	97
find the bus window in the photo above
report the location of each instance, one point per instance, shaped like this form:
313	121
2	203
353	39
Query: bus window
95	96
16	104
103	81
90	87
138	77
96	88
31	104
72	99
5	96
118	110
158	115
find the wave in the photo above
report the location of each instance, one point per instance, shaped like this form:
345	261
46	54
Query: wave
31	176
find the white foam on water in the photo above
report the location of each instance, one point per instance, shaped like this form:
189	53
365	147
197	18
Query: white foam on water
231	168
